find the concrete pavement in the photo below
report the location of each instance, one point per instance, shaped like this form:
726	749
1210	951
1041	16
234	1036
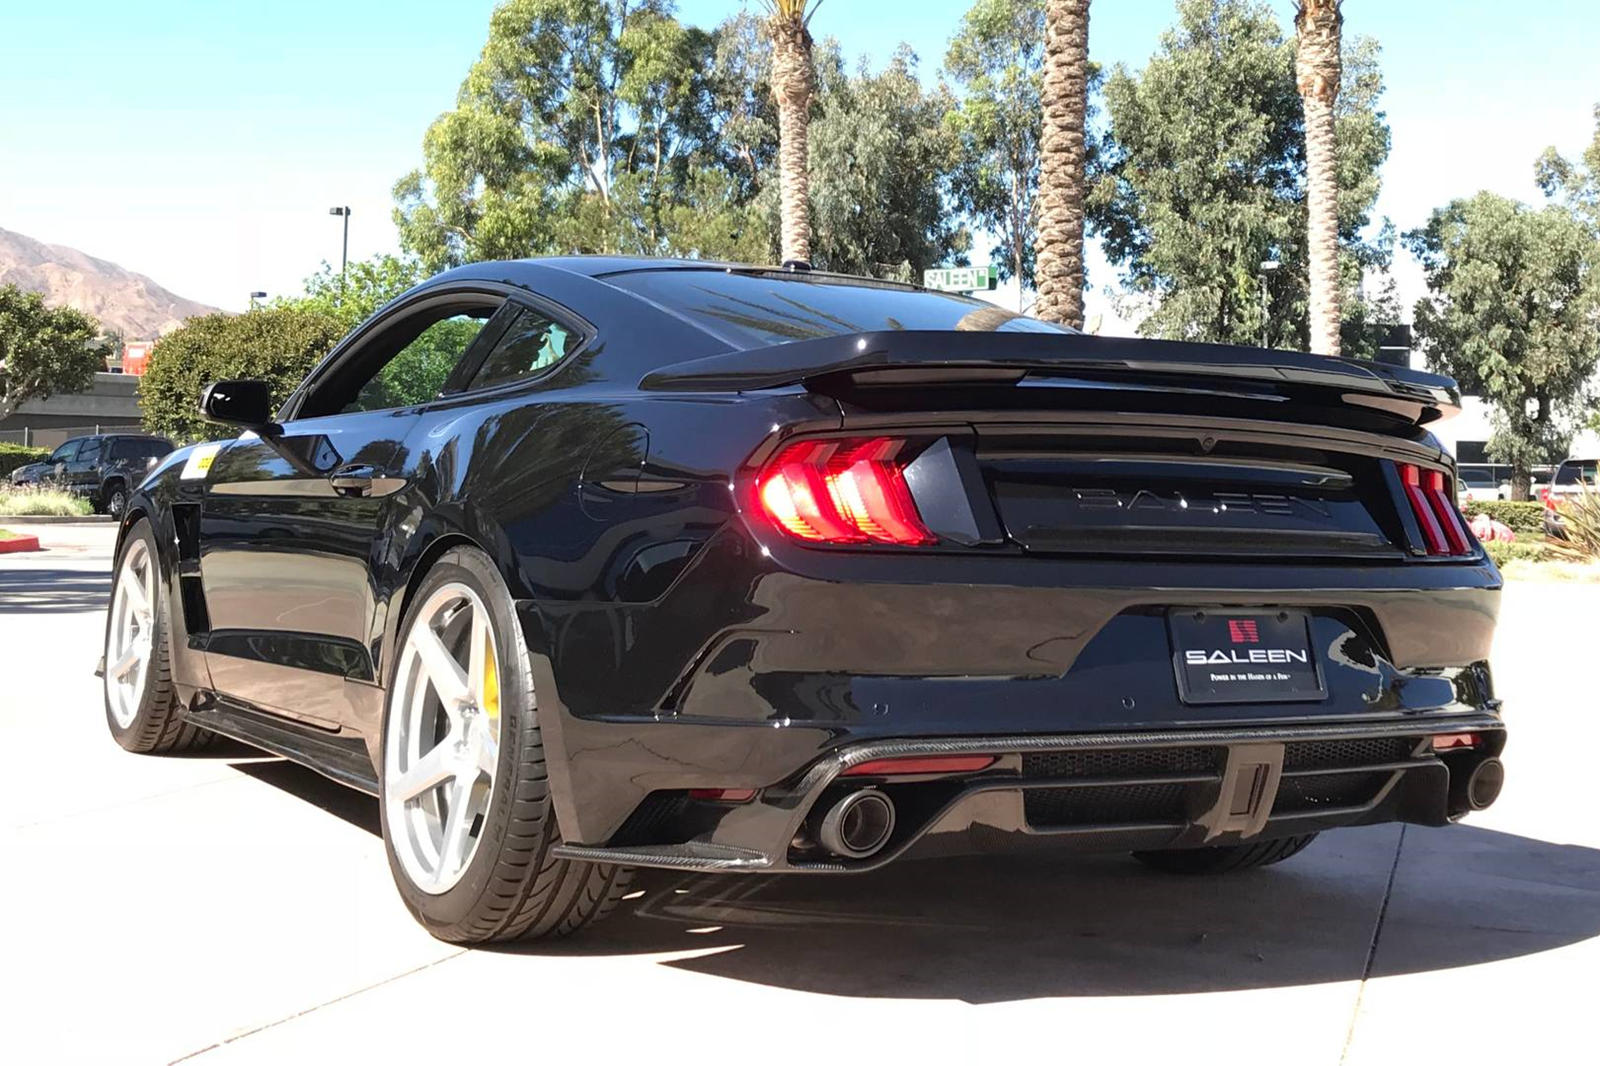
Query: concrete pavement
238	909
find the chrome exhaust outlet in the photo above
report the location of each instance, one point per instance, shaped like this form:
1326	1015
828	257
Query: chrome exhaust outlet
859	825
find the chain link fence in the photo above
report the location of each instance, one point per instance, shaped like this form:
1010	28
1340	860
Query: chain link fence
49	438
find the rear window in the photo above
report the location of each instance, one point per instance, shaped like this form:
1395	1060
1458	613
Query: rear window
1569	472
758	310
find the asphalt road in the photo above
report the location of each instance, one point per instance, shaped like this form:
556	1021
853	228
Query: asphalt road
238	909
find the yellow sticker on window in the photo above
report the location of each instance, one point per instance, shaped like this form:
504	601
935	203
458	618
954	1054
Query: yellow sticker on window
199	462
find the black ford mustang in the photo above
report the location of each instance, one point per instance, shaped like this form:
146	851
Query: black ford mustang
589	564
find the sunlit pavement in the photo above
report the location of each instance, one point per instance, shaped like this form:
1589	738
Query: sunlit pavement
239	909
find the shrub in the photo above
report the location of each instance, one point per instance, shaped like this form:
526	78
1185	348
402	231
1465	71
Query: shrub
32	500
1525	516
1580	521
276	344
15	455
1531	549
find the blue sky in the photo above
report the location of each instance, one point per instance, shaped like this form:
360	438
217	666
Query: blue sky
202	142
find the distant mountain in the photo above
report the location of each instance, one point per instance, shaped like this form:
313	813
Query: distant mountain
118	298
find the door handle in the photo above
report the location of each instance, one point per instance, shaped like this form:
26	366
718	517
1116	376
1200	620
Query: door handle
353	480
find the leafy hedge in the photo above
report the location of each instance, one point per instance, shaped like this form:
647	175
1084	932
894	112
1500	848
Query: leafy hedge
1523	517
1503	551
276	344
15	455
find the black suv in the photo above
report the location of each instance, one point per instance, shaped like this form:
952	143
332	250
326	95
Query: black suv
105	467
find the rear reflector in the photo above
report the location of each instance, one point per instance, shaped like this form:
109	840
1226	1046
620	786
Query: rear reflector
723	795
1428	494
842	492
920	764
1447	741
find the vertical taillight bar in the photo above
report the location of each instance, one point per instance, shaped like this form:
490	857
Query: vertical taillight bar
1427	495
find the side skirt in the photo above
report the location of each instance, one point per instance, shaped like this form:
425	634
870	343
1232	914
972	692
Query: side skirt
336	758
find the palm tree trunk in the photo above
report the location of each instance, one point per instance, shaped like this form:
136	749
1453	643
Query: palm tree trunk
1317	69
792	82
1065	96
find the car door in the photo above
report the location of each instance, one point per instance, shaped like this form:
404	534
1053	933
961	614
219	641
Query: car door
81	470
293	523
59	461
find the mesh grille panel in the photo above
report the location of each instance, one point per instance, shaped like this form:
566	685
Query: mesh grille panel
1335	754
1136	762
1104	805
1298	795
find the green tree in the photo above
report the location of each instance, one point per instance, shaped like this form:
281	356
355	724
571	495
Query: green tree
1203	176
584	126
1513	314
365	286
881	156
278	344
1575	181
43	350
997	58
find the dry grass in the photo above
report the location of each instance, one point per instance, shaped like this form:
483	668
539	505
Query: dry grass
25	500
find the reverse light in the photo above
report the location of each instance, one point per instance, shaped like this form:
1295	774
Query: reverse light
842	492
920	764
1428	494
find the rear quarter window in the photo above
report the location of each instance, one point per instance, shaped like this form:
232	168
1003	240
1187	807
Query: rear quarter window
756	310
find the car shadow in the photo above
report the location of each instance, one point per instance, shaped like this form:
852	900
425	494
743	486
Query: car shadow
1000	928
53	591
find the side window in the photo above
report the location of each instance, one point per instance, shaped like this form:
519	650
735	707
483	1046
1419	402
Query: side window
531	344
417	372
124	449
90	452
65	453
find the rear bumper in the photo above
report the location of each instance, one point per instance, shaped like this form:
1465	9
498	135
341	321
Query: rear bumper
1103	792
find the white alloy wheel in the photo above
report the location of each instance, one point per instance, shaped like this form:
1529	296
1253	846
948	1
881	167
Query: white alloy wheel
441	744
130	636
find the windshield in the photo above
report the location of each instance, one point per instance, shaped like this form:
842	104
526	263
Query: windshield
1570	472
755	310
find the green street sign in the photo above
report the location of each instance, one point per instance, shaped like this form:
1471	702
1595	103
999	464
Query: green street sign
961	279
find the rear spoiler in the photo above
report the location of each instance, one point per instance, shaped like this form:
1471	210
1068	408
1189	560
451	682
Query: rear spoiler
917	358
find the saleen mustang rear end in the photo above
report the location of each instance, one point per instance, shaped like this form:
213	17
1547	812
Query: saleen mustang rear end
581	565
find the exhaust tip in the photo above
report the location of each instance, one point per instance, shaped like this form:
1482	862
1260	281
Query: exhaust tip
859	825
1485	783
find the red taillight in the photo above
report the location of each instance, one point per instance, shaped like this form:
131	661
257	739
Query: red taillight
920	764
842	492
1447	741
1428	493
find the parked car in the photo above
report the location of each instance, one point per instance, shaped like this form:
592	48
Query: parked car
1476	484
103	467
740	569
1572	477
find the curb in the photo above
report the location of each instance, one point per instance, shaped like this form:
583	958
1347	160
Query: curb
57	520
19	544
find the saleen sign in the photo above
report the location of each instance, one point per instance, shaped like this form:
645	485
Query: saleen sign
1247	657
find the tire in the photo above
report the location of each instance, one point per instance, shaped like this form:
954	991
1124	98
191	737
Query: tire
143	712
114	499
1225	859
508	886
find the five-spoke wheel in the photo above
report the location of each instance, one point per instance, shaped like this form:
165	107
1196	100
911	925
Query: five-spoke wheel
130	636
442	748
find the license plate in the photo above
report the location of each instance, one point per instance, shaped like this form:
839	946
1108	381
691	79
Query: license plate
1244	656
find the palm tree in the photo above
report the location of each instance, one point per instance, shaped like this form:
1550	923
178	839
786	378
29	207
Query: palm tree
1064	99
1316	24
792	84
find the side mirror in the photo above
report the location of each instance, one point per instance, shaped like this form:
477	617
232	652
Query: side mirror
241	402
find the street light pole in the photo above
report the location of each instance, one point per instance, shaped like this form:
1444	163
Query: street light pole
1267	267
256	296
344	254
